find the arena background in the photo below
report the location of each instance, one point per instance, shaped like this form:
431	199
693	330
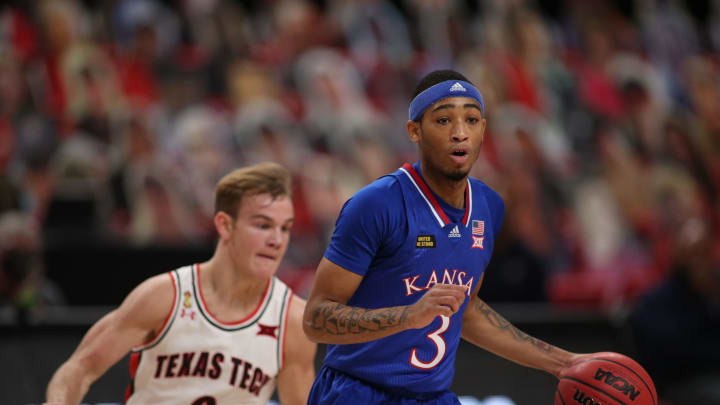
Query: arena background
117	118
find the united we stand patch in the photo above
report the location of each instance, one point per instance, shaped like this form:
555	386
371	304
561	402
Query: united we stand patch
425	241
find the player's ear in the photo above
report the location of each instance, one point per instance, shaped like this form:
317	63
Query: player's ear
482	131
223	224
413	130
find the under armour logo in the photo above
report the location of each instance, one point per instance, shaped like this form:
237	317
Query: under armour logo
457	87
267	330
191	314
478	242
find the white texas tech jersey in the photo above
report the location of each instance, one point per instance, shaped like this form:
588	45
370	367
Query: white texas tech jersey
199	360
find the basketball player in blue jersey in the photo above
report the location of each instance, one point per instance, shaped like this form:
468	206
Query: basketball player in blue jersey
222	332
398	285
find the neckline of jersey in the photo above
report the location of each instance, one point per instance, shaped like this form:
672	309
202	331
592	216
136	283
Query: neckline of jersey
442	207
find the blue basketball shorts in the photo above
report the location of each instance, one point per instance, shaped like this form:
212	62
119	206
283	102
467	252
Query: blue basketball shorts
333	387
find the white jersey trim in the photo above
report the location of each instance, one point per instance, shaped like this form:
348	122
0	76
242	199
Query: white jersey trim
435	214
432	208
470	204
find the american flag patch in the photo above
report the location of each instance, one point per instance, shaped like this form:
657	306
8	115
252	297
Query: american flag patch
478	227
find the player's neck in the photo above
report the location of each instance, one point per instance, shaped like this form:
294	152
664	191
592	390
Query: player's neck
451	191
230	287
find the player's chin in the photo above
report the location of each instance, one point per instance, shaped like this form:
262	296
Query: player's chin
264	269
457	173
264	273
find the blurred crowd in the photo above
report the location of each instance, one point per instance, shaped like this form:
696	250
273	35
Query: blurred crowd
117	118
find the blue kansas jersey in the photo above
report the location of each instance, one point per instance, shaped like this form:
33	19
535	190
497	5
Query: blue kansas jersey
402	239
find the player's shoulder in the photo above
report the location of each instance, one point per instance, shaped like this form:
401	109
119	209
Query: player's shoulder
377	196
297	345
162	284
297	308
381	187
288	296
152	298
281	290
492	196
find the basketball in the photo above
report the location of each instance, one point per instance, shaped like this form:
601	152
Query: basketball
606	378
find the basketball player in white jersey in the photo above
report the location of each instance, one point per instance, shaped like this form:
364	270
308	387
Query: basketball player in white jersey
222	332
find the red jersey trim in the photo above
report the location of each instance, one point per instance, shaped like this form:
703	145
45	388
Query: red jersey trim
235	324
468	204
135	358
435	206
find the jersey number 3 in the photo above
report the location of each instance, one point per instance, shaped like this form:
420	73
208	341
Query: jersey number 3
439	342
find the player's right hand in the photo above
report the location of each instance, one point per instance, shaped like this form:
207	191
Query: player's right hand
440	299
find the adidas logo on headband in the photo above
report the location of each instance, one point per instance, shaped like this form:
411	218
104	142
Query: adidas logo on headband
457	87
448	88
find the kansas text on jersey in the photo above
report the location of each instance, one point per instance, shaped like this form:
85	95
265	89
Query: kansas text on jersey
403	239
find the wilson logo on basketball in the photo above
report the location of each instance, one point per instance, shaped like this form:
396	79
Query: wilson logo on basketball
617	382
581	398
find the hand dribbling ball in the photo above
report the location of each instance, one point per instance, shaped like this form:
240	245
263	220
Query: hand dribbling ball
605	378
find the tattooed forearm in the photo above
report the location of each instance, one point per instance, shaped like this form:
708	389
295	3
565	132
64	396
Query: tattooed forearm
499	322
339	319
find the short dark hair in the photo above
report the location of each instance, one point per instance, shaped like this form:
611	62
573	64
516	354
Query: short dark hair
435	77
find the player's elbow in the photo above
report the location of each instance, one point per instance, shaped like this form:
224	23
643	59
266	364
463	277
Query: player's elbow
312	333
86	368
311	318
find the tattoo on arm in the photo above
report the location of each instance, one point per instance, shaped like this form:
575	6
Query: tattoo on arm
501	323
338	319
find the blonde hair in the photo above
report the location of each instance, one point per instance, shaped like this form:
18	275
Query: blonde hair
263	178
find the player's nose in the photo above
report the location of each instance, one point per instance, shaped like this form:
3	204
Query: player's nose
459	133
274	239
